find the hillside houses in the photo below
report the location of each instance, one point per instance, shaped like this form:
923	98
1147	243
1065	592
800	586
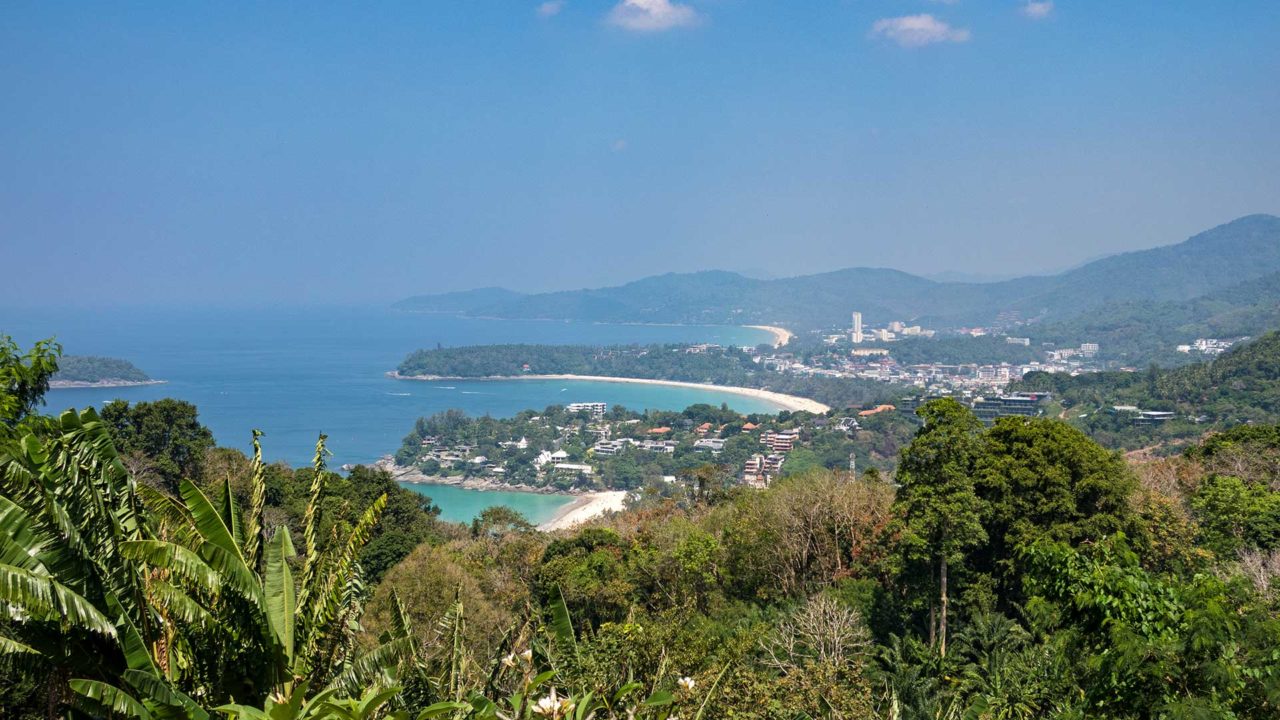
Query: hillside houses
562	450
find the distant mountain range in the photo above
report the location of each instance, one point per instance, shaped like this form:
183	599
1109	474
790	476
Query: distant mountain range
1215	266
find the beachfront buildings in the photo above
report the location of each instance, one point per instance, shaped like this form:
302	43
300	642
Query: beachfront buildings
596	409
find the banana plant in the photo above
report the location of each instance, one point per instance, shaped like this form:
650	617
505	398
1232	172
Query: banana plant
141	604
303	629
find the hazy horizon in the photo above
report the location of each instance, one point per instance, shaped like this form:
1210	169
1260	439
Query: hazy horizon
355	156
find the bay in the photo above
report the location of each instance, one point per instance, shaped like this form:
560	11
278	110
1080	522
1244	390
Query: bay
296	372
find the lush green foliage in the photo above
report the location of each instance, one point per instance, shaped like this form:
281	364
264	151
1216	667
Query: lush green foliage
961	350
24	377
163	439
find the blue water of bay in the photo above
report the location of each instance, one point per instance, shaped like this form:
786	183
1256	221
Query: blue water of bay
294	373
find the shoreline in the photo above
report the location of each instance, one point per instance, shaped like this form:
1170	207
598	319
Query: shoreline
90	384
792	403
781	335
585	506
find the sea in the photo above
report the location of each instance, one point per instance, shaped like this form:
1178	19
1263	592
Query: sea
296	372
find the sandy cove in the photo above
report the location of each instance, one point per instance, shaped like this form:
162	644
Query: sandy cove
586	505
784	402
781	335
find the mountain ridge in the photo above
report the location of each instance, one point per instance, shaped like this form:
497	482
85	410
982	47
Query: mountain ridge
1228	254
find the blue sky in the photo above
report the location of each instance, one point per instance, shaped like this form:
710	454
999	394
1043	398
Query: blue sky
246	153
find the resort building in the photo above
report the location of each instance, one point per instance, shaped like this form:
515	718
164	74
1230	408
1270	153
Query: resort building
597	409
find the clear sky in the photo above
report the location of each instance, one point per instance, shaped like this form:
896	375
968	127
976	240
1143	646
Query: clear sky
220	152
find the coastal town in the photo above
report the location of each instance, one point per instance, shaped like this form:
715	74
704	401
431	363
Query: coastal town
589	446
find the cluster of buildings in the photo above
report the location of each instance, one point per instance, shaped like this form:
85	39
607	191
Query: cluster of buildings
1209	346
607	448
878	363
859	334
880	366
577	451
988	407
1086	351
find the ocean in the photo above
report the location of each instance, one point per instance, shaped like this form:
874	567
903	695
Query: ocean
294	373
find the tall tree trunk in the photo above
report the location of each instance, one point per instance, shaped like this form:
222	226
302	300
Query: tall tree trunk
933	624
942	621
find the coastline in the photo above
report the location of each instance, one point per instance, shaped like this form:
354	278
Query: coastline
792	403
585	506
781	335
79	384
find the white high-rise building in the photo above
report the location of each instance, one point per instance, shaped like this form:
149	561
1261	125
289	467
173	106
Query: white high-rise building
857	335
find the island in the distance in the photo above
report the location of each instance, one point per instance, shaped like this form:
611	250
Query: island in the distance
92	371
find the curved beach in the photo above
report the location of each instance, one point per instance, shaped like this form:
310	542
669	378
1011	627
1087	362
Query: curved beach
781	335
783	401
588	506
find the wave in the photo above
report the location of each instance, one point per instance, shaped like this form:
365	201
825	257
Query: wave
444	387
399	394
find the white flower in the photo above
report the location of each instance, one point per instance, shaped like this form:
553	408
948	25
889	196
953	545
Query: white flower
552	706
527	656
686	683
509	660
546	707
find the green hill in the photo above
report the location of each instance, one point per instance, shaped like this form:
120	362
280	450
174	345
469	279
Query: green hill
94	369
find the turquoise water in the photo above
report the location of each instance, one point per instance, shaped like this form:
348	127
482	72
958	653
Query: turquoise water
296	372
461	505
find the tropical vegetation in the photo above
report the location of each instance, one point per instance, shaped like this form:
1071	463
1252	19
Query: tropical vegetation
1013	571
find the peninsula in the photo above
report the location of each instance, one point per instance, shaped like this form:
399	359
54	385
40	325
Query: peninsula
743	371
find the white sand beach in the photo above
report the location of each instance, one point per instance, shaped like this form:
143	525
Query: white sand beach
784	402
781	336
587	507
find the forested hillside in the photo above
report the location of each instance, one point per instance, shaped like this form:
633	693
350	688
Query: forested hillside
1242	386
1142	332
